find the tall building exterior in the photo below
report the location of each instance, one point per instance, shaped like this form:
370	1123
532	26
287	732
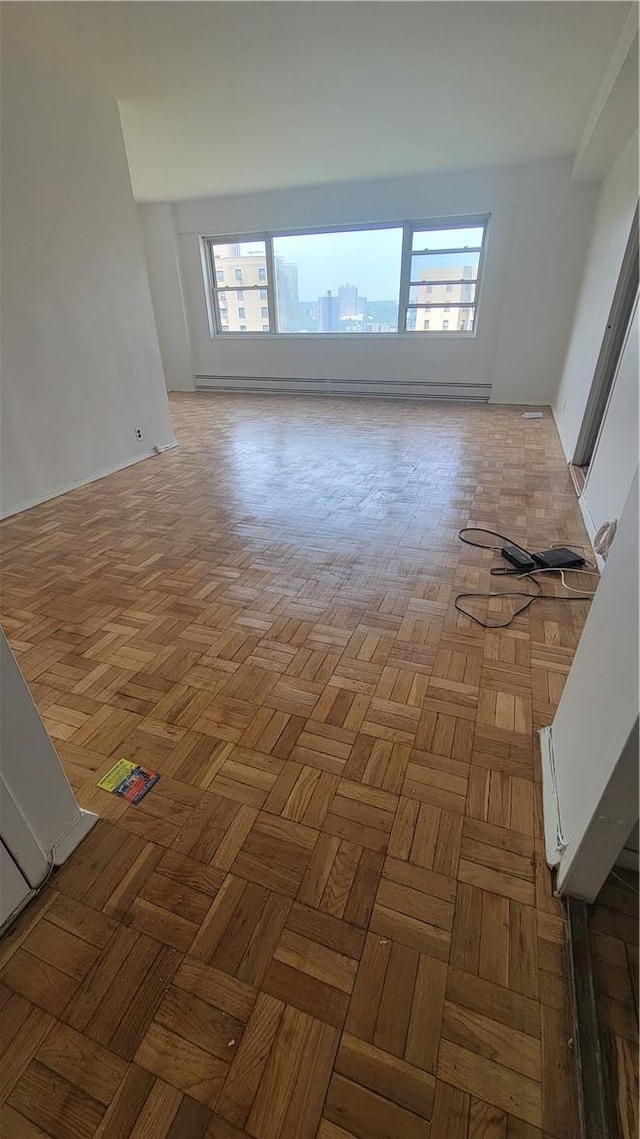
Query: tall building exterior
245	307
445	294
329	312
287	293
244	301
348	300
350	303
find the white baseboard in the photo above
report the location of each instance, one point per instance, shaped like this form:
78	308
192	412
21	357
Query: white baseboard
552	829
27	504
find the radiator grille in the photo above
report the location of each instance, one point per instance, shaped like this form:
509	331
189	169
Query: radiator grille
388	389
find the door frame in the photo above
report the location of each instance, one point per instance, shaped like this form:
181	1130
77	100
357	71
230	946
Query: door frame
620	313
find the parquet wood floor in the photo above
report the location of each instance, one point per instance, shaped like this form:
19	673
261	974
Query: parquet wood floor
332	916
613	927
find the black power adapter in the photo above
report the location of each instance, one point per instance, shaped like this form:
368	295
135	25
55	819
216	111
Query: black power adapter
561	558
547	559
518	558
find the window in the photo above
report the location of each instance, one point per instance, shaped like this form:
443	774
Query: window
368	280
237	261
451	256
345	281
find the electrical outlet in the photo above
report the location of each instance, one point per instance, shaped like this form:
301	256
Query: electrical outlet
138	431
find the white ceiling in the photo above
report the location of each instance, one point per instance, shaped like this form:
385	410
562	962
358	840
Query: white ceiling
219	98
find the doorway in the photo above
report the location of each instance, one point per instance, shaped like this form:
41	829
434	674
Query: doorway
615	333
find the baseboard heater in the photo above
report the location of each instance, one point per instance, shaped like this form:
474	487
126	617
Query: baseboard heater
383	389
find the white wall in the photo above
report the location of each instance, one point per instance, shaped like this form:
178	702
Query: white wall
538	234
596	768
616	204
37	805
80	361
159	241
541	282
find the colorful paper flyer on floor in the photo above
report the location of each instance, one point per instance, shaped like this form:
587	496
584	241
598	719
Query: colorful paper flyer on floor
129	780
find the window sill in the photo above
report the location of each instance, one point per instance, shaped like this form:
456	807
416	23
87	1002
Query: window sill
304	336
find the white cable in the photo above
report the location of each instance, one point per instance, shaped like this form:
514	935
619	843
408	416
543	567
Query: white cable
556	569
563	545
571	589
604	538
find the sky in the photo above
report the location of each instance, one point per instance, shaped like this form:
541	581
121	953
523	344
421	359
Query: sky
369	259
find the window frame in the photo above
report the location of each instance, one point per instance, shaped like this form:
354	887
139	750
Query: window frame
208	243
475	221
214	289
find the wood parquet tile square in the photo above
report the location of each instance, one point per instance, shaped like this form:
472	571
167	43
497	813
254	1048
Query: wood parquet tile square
331	918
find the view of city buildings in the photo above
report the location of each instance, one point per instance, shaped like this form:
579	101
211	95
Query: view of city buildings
343	311
444	289
437	304
243	299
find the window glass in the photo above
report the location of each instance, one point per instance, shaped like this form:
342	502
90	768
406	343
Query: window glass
461	293
455	238
424	266
338	282
240	263
444	264
439	320
349	281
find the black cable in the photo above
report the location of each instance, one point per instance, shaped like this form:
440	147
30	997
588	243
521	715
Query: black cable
494	534
499	571
531	597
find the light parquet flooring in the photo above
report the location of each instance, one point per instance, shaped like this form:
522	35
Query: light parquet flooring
332	916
